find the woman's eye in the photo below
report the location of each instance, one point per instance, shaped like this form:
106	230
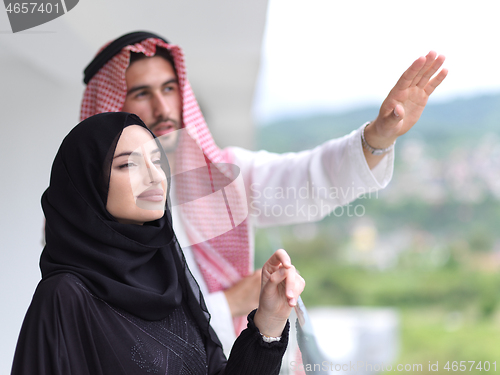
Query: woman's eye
126	165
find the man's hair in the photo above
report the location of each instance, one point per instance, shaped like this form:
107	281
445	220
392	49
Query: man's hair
165	53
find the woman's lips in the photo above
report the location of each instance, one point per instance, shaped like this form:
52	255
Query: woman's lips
152	195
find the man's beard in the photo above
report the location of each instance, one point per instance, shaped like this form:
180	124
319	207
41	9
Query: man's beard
168	141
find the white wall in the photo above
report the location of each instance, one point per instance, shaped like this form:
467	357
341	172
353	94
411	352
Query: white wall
40	92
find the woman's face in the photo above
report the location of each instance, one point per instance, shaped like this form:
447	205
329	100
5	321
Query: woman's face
137	184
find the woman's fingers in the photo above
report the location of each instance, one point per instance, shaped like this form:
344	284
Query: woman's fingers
298	287
280	257
281	288
290	282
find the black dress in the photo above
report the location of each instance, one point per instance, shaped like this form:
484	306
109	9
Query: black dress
69	331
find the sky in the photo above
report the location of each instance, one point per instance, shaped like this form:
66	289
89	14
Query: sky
331	55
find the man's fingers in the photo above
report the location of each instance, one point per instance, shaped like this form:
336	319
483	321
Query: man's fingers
392	116
436	81
398	113
409	75
436	64
429	60
420	71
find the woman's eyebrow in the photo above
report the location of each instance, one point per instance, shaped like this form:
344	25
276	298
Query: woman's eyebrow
134	153
127	153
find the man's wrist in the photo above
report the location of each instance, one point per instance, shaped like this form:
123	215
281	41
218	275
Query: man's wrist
374	143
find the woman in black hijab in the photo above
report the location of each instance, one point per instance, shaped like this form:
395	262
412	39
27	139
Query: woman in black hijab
116	296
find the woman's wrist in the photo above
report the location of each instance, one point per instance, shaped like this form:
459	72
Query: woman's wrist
269	326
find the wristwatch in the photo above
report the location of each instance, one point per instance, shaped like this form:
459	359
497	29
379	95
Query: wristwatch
373	150
269	339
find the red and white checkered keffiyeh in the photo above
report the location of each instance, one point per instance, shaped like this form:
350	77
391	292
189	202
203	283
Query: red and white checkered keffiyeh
224	256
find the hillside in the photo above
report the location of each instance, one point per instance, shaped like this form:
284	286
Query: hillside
455	120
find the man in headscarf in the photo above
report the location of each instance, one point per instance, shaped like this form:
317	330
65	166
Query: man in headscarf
216	207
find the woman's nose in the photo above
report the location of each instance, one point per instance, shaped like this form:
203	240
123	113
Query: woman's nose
154	172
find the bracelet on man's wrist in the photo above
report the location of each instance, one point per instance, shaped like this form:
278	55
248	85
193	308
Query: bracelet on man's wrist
269	339
373	150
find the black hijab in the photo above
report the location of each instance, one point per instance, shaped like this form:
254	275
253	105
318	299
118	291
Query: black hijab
140	269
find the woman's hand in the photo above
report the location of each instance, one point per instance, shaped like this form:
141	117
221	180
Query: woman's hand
280	289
